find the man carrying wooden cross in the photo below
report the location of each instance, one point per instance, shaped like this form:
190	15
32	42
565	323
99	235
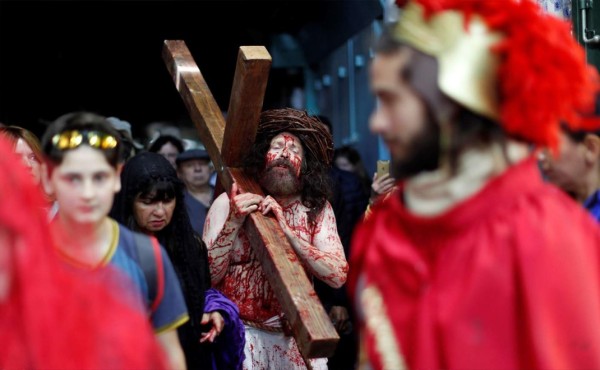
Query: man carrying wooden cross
289	159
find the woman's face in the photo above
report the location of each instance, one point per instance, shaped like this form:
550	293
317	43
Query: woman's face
344	164
152	215
29	160
170	152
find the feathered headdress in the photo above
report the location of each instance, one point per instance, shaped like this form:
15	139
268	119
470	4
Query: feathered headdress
506	60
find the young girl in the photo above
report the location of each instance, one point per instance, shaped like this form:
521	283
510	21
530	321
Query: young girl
82	170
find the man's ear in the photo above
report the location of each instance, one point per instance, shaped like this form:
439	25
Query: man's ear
591	142
46	182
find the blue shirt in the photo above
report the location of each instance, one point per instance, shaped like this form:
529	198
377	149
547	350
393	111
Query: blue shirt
592	204
196	211
122	254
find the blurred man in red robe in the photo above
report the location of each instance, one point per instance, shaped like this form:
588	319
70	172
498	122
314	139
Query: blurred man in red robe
474	262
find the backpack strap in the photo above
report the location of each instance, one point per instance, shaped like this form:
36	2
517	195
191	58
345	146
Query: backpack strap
150	259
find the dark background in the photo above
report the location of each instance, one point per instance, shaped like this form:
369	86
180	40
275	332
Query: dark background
105	56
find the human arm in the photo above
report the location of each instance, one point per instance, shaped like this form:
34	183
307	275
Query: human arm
228	347
223	222
169	341
380	186
324	257
215	320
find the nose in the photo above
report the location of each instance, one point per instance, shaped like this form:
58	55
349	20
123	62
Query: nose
87	189
284	153
159	208
378	122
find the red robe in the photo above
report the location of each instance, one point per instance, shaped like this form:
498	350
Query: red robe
507	279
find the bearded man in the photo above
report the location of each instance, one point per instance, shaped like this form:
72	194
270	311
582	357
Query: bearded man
474	262
290	160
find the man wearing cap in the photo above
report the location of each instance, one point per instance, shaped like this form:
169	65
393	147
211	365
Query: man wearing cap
474	262
194	168
289	160
130	146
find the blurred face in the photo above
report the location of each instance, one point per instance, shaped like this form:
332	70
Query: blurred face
568	169
281	175
344	164
170	152
401	117
84	185
153	215
29	160
195	172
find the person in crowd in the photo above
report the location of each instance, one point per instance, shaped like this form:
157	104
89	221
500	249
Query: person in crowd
195	169
168	146
151	201
52	317
576	166
130	146
28	147
470	263
347	158
289	160
348	200
82	166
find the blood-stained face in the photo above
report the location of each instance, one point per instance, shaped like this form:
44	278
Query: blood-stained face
281	175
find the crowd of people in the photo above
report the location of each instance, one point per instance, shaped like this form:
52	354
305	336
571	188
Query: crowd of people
479	250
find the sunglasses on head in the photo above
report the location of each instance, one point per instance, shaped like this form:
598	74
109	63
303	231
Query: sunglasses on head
72	139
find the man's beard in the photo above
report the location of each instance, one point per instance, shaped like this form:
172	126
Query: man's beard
423	153
277	181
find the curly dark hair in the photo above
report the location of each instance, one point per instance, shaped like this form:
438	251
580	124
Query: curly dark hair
150	174
318	152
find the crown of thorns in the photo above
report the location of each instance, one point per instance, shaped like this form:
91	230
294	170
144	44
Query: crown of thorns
310	130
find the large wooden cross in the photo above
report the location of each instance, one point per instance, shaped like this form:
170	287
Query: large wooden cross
227	145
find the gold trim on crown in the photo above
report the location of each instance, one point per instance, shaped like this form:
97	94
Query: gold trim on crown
467	66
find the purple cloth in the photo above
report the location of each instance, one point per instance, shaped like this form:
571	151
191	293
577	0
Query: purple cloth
228	348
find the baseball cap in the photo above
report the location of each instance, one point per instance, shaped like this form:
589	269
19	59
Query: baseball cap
192	154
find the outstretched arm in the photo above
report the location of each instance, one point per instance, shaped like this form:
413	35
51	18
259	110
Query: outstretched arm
223	222
324	257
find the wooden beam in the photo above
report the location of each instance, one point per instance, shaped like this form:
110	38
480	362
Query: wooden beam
245	103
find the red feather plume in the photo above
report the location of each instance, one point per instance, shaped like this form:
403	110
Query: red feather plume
543	77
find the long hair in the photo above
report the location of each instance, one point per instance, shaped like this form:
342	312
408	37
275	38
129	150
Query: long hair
151	174
318	151
14	133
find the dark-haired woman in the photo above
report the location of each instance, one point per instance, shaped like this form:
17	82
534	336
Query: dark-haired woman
151	201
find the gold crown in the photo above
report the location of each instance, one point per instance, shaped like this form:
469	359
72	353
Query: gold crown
468	68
